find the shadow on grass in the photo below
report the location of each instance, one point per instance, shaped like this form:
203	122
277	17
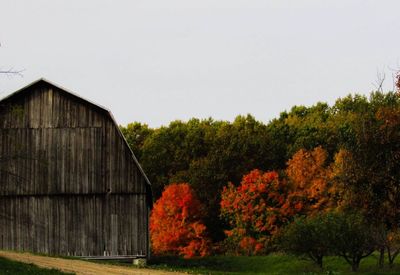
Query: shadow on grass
14	267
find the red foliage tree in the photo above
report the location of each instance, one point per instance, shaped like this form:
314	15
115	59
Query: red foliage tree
253	210
175	223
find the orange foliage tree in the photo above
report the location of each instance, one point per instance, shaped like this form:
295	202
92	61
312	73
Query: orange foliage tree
259	207
175	223
253	210
310	177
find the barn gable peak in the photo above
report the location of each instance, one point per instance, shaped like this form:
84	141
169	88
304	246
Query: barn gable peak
50	83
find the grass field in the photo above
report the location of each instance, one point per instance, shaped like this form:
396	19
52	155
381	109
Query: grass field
12	267
271	264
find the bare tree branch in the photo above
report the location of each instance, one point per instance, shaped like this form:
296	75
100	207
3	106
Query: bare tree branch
380	79
11	71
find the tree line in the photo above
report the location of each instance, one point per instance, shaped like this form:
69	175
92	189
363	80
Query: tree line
254	179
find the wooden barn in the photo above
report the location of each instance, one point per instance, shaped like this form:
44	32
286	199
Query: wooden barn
69	183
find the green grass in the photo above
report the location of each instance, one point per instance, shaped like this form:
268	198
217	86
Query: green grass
271	264
13	267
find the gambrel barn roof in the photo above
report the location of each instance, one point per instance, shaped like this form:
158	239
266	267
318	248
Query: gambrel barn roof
103	109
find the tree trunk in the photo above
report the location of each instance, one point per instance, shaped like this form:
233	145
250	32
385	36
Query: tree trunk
355	265
393	256
391	260
319	262
381	260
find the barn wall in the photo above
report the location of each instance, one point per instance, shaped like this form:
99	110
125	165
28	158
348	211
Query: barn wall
67	160
71	178
80	225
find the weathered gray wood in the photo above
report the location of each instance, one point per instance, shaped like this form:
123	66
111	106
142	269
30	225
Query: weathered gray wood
70	184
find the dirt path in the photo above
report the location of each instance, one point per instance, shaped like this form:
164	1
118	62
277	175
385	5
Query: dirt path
80	267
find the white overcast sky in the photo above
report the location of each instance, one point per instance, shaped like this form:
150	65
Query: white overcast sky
157	61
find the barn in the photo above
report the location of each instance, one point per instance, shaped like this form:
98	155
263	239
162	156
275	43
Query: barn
69	183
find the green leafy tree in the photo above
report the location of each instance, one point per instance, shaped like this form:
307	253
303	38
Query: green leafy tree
309	237
353	238
348	235
136	133
168	152
302	128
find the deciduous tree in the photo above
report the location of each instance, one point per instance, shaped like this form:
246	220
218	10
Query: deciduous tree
136	134
254	210
308	236
310	176
353	238
176	223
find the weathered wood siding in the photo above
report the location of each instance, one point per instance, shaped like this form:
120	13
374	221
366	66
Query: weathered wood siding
69	184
